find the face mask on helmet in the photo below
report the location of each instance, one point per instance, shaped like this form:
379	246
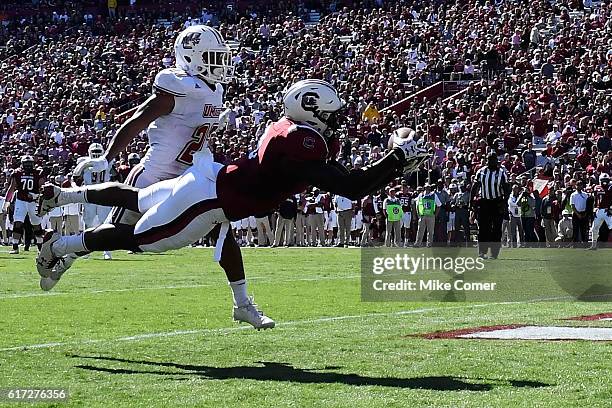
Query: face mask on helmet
95	151
202	52
27	164
336	120
133	159
316	103
219	64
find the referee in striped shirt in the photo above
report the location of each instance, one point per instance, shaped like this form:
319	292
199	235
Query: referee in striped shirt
492	183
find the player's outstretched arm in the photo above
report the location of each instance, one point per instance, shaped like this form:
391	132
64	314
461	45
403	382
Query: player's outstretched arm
356	183
158	104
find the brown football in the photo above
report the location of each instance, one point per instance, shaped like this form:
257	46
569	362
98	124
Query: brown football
403	133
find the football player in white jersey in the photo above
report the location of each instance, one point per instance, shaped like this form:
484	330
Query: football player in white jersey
93	214
179	116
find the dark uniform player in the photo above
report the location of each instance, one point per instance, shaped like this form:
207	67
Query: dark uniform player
293	153
405	198
603	212
26	180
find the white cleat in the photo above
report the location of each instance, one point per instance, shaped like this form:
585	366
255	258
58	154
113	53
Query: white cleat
108	256
249	314
61	266
48	200
46	261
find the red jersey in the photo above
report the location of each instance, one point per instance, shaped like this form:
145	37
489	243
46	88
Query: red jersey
405	200
264	179
27	183
603	198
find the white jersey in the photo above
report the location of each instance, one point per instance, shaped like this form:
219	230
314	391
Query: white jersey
174	138
96	177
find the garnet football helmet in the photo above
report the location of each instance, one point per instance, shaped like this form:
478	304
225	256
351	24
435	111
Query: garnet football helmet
315	103
201	51
27	162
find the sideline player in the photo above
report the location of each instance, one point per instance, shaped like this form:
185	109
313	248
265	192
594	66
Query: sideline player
93	214
603	210
26	180
295	152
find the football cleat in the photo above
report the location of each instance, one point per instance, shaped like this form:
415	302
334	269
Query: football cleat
249	314
62	265
107	256
14	251
46	261
48	199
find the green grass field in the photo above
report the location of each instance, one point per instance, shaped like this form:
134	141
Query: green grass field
155	330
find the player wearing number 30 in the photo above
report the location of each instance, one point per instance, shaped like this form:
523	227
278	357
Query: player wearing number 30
183	109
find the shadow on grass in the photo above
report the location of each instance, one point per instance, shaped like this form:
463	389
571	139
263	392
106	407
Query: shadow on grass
271	371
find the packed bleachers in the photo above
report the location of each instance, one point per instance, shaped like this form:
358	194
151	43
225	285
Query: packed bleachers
534	85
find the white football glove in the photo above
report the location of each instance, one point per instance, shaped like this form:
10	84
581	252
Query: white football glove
414	151
409	146
95	165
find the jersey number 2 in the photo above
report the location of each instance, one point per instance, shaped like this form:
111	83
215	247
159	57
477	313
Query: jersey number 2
195	144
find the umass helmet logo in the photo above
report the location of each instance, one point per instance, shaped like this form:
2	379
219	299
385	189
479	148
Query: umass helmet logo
211	111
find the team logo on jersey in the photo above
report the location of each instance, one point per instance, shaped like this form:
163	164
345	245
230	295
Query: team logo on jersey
211	111
309	142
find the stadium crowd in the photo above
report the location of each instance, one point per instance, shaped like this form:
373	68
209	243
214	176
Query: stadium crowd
534	81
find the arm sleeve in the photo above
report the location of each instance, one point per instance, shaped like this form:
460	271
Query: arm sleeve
356	183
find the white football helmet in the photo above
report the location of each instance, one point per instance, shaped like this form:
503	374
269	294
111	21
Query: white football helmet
315	103
95	150
133	159
201	51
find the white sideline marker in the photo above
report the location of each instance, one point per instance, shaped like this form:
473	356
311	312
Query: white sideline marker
545	333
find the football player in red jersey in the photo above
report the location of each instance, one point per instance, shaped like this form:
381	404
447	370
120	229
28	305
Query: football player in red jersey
603	211
26	180
297	151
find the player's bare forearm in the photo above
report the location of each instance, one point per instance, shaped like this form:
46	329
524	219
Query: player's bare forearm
126	133
158	104
356	183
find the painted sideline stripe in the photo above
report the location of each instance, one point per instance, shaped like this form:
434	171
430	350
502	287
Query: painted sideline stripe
99	291
595	317
226	330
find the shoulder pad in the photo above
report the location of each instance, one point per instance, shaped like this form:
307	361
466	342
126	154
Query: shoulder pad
171	81
308	143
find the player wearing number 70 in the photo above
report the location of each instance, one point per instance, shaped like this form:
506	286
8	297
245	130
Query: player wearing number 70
178	117
26	181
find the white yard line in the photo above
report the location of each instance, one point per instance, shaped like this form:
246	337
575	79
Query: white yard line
281	325
99	291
